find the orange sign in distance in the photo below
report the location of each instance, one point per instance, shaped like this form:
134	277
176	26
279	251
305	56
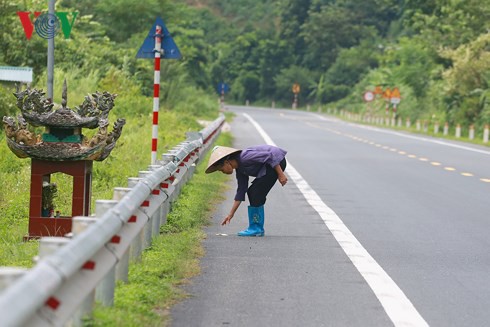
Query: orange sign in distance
296	88
387	94
395	93
378	90
395	96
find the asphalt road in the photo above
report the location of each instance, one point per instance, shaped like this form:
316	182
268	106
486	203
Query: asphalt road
374	228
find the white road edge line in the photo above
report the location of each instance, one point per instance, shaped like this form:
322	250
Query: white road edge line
424	139
397	306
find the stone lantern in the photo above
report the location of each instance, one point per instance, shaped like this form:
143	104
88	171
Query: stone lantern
62	148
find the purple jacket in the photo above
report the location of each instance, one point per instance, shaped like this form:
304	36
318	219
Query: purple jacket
252	162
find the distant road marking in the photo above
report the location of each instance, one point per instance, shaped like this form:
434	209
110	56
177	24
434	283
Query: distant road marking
467	174
412	156
397	306
467	148
485	180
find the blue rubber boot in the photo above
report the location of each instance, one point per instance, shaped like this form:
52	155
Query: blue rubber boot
255	222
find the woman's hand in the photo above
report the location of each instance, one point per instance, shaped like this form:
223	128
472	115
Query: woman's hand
234	208
227	220
282	179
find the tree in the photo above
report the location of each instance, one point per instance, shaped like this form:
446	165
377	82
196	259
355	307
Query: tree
349	68
326	32
444	23
468	80
273	56
246	87
412	64
122	18
293	14
289	76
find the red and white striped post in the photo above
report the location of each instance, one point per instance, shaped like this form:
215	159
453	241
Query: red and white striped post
156	93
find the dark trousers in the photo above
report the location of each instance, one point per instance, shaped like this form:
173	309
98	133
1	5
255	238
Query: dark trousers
257	192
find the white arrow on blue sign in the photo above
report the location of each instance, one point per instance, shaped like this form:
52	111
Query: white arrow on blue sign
223	88
170	49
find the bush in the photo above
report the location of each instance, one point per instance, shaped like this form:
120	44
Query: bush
7	100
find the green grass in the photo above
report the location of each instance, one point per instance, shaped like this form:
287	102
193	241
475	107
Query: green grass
173	258
131	155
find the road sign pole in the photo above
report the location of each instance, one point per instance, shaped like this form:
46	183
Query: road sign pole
157	45
156	93
50	62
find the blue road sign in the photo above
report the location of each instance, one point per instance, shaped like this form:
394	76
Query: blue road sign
223	88
170	49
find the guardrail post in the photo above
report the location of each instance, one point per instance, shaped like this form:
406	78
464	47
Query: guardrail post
146	232
166	158
137	244
104	292
436	127
153	229
485	134
446	129
8	275
48	246
163	210
168	187
472	132
80	224
458	131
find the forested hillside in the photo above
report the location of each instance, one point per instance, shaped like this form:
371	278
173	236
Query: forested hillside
436	51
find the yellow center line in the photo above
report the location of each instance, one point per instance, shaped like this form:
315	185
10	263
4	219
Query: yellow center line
413	156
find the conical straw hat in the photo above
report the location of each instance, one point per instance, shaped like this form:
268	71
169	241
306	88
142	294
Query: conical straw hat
218	153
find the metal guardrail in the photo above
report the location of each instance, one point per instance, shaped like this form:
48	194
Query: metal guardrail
72	272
